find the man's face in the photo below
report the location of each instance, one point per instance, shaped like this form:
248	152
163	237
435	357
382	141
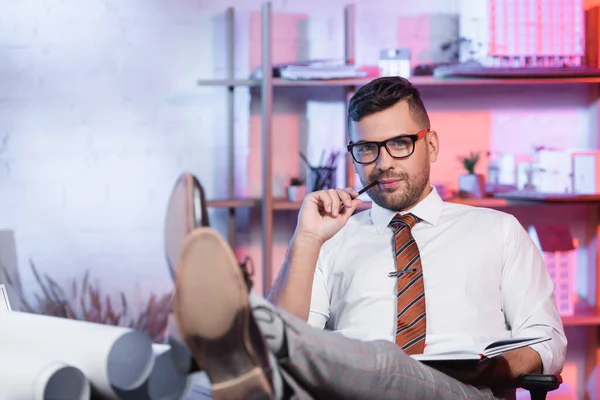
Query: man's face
402	182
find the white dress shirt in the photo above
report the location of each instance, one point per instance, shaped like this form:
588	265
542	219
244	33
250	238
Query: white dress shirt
484	280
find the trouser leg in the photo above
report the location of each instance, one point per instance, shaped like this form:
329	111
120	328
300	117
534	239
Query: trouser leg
331	366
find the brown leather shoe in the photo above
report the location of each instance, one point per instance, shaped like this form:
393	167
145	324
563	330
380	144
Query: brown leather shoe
215	320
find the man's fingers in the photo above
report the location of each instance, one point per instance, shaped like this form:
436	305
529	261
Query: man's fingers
353	193
324	199
335	202
348	211
345	197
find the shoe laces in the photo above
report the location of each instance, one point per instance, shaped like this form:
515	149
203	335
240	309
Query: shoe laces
269	314
247	267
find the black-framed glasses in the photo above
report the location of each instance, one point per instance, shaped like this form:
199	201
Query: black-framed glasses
398	147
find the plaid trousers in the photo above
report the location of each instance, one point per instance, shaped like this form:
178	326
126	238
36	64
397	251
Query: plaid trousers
328	365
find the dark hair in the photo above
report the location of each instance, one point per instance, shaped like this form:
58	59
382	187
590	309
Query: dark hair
383	93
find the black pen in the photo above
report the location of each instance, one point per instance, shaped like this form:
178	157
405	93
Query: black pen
361	191
369	186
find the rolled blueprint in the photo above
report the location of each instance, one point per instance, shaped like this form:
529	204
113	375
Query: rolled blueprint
179	351
27	377
165	382
112	358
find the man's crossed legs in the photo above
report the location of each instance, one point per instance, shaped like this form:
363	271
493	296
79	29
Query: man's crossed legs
252	350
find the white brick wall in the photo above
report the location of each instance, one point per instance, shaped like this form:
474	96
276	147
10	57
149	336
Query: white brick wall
99	113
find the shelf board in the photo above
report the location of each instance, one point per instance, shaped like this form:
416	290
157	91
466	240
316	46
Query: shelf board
548	197
431	81
588	316
501	201
418	81
282	204
234	203
228	82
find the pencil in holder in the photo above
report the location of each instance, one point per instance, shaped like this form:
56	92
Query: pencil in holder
321	178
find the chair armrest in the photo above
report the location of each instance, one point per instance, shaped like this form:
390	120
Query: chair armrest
539	384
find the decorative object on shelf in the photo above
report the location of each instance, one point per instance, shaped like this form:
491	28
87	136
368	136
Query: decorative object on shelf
559	250
493	175
515	37
454	48
395	62
296	190
586	171
471	184
529	170
85	301
495	171
557	167
322	176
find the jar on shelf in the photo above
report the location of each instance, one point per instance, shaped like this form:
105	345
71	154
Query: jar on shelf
395	62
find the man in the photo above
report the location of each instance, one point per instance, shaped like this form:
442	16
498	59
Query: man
480	275
412	275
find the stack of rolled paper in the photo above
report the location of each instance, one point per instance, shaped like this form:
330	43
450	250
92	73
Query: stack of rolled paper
43	357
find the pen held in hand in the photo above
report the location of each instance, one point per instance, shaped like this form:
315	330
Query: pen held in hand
369	186
361	191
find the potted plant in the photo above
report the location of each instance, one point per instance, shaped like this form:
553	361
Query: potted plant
81	299
471	183
296	190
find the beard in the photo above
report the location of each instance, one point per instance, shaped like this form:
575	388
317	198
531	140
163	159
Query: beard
402	198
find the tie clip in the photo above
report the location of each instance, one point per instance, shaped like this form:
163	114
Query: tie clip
396	274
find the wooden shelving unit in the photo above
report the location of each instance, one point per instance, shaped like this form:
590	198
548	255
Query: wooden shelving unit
586	318
416	80
266	86
589	316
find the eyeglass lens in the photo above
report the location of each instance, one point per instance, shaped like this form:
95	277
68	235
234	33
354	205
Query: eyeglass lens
368	152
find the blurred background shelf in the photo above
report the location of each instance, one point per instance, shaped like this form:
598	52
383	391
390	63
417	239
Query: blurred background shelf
417	81
498	201
585	316
234	203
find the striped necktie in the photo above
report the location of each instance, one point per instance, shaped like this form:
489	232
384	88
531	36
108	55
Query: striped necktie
411	321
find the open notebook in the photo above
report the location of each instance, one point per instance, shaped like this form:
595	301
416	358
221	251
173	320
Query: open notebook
480	351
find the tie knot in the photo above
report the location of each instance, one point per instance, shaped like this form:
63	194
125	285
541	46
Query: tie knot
401	220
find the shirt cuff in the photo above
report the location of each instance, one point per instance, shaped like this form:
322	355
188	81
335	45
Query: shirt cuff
317	320
550	365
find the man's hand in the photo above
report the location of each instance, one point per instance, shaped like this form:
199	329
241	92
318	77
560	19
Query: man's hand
321	216
325	212
468	372
501	371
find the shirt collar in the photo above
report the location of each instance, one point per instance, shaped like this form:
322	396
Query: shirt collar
428	209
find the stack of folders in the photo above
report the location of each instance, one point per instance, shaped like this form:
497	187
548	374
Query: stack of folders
43	357
314	70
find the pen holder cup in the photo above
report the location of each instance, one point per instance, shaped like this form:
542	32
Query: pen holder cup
320	178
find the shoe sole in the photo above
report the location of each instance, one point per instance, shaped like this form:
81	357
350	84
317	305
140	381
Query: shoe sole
213	313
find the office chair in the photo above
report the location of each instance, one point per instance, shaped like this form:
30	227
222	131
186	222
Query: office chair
186	211
538	385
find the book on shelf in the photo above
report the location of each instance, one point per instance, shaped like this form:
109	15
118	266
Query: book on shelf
313	70
479	351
